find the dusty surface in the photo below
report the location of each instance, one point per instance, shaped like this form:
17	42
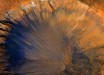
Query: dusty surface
89	15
